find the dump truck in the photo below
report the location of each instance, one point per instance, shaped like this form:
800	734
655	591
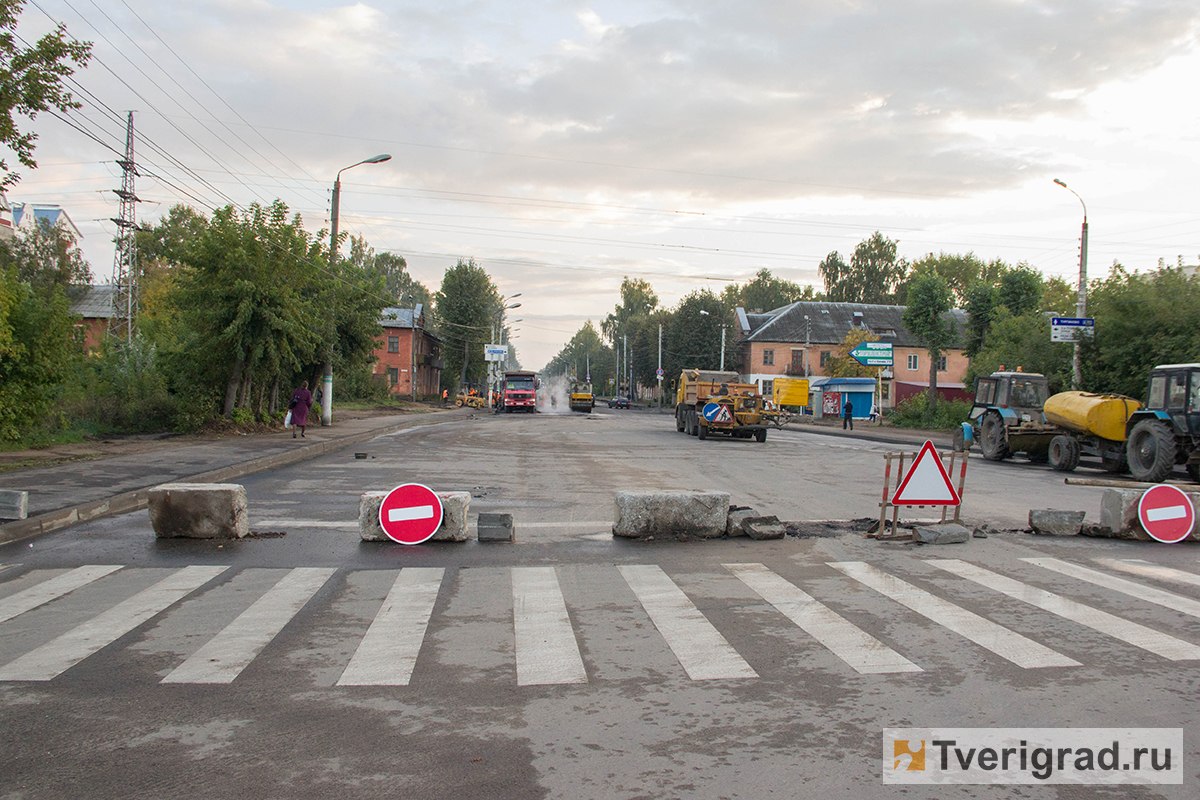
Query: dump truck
1013	413
708	402
582	398
1166	431
519	392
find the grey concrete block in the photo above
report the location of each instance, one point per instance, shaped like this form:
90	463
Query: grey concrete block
455	506
1053	522
697	514
735	520
14	504
495	527
764	528
946	533
1119	515
199	511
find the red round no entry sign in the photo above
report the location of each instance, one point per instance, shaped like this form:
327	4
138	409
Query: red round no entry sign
410	513
1166	513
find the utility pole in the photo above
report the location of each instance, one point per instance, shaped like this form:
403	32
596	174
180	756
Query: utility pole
722	347
625	348
125	270
658	373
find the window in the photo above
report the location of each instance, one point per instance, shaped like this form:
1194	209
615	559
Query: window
1178	391
768	388
825	356
393	376
941	363
1158	392
393	344
985	393
1194	396
768	358
914	362
885	390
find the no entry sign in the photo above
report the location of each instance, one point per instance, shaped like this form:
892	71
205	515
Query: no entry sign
410	513
1166	513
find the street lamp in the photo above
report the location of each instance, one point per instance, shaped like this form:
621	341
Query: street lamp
498	323
327	378
1081	301
722	367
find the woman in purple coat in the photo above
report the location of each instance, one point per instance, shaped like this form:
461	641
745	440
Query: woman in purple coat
300	404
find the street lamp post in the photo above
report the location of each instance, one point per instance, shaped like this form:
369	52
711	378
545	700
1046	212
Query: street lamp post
706	314
327	377
1081	300
498	326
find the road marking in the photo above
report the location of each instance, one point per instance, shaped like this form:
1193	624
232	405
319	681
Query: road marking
1175	602
224	656
1147	570
545	643
987	634
51	589
1130	632
409	514
59	655
387	654
702	651
866	654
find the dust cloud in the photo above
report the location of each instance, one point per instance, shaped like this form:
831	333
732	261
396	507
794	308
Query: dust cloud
554	397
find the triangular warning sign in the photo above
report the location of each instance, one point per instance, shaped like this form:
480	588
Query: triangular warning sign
926	483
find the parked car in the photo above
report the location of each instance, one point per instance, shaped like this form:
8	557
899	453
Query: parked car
618	402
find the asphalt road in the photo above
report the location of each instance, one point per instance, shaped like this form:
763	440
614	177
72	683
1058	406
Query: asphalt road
305	663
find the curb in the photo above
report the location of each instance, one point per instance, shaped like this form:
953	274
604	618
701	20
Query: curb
50	521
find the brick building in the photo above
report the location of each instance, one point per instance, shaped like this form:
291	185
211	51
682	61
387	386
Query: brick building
406	349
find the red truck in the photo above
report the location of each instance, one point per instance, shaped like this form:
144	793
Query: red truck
520	391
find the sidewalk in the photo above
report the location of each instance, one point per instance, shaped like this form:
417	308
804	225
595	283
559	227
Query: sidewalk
874	432
62	494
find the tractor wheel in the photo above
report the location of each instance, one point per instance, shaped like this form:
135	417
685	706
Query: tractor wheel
993	439
760	436
703	432
1151	451
1063	454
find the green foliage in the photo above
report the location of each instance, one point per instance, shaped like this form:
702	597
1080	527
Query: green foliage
31	81
37	350
123	388
1023	342
692	340
926	317
874	274
468	307
842	365
1020	290
764	292
961	272
359	385
916	412
585	351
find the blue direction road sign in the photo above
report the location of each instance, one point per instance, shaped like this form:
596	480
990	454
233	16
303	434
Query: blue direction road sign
715	412
873	354
1069	329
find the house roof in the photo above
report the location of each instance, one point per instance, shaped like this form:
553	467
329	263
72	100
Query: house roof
92	302
27	214
828	323
396	317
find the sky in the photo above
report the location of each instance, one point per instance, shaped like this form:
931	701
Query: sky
566	145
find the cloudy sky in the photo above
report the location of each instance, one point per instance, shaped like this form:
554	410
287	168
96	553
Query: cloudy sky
564	145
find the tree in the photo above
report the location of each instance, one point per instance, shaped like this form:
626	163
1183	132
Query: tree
960	272
765	292
843	365
631	328
926	317
585	355
982	300
46	256
468	305
873	276
1022	342
31	81
1020	289
399	286
692	340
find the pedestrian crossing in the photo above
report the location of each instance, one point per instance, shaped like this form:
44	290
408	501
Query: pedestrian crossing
710	623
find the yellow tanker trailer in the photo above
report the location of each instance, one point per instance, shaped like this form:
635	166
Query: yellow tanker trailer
1092	424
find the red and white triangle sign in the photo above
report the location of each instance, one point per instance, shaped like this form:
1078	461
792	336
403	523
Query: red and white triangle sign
926	483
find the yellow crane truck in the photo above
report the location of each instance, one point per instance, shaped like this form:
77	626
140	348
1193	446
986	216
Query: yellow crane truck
708	402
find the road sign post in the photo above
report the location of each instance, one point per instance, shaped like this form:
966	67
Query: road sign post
1071	329
873	354
411	513
1166	513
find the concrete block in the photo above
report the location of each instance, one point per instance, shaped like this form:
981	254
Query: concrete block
1119	515
640	515
455	506
735	520
764	528
495	527
14	504
1053	522
945	533
199	511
